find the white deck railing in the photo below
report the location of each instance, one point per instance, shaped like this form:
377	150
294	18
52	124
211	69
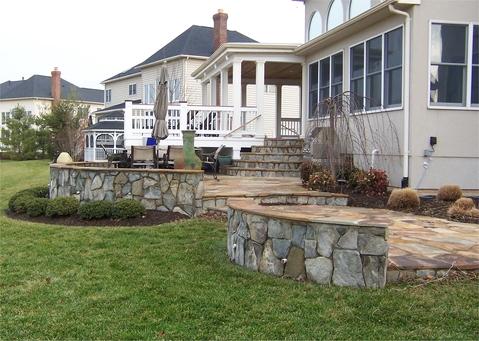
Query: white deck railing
208	121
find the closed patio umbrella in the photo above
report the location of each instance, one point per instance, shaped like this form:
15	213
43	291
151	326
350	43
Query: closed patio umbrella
160	129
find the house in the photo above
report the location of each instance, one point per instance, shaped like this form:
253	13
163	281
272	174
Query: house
37	93
129	98
409	67
416	61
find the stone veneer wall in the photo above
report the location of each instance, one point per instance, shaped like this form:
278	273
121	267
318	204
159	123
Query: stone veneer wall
163	190
325	253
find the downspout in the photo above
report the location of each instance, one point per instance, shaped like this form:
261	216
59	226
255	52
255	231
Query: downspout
407	59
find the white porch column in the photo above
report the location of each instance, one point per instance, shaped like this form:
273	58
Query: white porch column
204	93
94	146
260	97
224	87
213	87
237	98
279	99
304	101
127	125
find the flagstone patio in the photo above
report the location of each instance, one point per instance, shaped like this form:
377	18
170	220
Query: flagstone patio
420	246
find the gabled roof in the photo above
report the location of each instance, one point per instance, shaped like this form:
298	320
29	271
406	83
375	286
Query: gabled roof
38	86
107	125
195	41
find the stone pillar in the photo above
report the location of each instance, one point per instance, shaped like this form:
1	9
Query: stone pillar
237	96
260	97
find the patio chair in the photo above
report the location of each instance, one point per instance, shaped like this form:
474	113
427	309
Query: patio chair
144	157
211	161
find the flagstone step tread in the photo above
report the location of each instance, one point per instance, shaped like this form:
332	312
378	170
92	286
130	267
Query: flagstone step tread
273	161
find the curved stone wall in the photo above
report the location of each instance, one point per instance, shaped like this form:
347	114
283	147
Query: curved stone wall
158	189
288	241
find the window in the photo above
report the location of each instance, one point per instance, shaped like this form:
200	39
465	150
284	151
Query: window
108	95
376	72
87	142
149	94
450	83
5	117
324	81
174	90
315	26
131	89
336	14
357	7
313	89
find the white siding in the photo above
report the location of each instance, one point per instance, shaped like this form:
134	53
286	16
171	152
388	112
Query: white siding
119	90
192	86
151	75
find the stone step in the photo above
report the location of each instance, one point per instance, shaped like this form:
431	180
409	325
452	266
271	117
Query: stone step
284	165
238	171
284	142
277	150
292	157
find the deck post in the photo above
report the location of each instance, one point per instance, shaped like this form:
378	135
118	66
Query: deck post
260	97
224	87
183	117
127	124
237	97
213	94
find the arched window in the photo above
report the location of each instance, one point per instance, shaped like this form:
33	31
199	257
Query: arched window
87	140
119	141
336	14
315	26
357	7
104	139
91	141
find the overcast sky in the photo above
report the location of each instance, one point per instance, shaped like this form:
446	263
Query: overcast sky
91	40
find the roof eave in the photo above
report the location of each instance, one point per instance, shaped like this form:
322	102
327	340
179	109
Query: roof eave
243	47
169	59
351	26
109	80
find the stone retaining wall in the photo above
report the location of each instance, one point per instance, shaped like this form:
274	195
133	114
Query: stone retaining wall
157	189
324	252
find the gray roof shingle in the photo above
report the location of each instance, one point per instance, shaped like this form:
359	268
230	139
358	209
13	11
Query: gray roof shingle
107	125
40	86
195	41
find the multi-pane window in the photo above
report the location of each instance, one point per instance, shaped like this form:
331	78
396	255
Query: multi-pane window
325	80
376	72
132	89
174	90
108	95
149	94
454	69
5	116
313	89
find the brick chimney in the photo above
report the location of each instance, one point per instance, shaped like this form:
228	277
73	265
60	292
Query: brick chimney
56	85
220	35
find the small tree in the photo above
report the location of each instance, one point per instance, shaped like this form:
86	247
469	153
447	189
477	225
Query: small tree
65	122
19	139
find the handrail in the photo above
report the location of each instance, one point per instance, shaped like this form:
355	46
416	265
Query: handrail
291	130
243	125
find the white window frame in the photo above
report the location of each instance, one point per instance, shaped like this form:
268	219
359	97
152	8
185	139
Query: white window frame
381	108
345	18
131	87
108	96
319	78
469	105
321	31
150	87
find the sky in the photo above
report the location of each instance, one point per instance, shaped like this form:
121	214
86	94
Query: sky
92	40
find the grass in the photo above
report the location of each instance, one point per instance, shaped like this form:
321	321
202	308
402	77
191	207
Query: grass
174	281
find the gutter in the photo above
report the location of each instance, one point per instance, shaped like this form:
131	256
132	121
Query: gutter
407	61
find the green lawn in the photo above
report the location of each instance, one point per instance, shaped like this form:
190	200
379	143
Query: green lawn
174	281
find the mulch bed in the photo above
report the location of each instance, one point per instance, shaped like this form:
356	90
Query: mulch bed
151	218
429	206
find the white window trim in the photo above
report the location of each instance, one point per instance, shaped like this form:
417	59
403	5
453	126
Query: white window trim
469	106
363	42
136	89
308	31
108	98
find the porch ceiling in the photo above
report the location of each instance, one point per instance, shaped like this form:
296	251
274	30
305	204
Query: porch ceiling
273	71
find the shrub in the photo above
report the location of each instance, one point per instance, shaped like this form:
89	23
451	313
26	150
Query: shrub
36	206
306	169
321	180
449	193
62	206
373	182
127	208
356	177
403	198
19	204
463	207
464	203
35	192
95	210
